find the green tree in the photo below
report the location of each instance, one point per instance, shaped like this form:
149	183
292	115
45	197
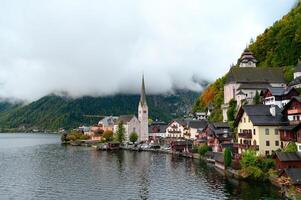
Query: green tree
291	147
108	135
120	132
232	110
227	157
256	99
133	137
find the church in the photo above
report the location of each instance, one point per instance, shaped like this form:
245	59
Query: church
133	124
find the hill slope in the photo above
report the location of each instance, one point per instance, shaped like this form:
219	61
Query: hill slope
52	112
278	46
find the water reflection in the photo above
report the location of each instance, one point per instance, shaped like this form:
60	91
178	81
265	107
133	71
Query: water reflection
48	170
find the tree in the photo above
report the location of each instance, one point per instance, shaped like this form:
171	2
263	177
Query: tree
256	99
232	110
108	135
291	147
120	132
227	157
133	137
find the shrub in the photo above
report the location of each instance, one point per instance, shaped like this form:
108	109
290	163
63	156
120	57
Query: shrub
248	159
252	172
291	147
203	149
108	136
133	137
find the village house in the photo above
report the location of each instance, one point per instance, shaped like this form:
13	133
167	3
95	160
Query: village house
257	127
130	123
196	128
278	96
296	83
107	123
157	130
292	132
176	129
284	160
218	136
243	82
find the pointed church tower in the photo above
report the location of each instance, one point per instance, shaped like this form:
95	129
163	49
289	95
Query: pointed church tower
143	114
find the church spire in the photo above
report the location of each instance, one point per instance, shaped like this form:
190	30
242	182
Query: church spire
142	95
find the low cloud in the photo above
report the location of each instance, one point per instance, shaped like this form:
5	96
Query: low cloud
103	47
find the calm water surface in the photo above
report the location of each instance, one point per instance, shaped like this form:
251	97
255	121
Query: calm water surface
38	167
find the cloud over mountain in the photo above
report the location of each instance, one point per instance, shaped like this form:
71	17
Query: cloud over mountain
102	47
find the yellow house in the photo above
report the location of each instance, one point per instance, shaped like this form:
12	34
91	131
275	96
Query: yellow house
257	127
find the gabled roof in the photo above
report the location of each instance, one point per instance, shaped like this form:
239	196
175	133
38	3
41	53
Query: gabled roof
260	115
220	125
288	156
125	118
294	174
198	124
246	56
258	86
297	98
279	91
255	75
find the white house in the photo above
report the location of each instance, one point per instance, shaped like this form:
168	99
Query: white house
176	129
130	123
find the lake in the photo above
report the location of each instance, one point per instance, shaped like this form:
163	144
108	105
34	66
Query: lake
37	166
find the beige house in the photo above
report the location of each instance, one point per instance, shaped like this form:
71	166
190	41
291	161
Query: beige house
257	127
176	129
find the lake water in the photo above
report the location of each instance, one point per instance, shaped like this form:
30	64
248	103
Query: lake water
37	166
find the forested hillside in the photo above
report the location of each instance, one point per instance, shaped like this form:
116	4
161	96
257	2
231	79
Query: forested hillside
53	112
278	46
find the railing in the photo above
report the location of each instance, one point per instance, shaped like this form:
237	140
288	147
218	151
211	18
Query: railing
246	146
173	131
245	135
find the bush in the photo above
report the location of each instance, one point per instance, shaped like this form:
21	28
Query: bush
203	149
108	136
227	157
248	159
291	147
252	172
265	164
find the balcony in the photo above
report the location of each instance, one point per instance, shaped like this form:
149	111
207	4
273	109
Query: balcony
294	111
247	135
287	138
246	146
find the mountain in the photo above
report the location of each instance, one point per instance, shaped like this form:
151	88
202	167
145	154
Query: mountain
278	46
53	112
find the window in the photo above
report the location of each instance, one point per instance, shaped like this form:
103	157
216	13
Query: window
254	133
276	132
276	143
244	120
267	143
267	131
267	153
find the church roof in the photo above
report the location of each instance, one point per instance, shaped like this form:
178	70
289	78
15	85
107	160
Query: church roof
125	118
142	95
255	75
247	56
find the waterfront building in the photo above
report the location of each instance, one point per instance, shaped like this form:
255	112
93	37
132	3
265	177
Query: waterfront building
218	136
278	96
157	130
257	127
130	123
243	82
176	129
107	123
284	160
292	132
196	128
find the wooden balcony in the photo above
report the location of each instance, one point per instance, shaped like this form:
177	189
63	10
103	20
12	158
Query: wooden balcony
294	111
246	146
247	135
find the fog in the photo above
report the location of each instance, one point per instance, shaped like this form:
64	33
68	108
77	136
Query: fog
102	47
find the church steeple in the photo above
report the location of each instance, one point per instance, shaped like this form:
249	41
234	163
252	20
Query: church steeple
142	95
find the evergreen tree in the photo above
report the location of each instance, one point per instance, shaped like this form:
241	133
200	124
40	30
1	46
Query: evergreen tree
120	132
227	157
133	137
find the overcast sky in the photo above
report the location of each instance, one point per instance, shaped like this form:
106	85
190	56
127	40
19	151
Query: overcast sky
101	47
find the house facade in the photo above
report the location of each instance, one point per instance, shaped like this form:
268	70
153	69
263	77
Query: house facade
130	123
218	136
257	127
292	132
176	129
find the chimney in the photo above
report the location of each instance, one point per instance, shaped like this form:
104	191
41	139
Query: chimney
273	110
